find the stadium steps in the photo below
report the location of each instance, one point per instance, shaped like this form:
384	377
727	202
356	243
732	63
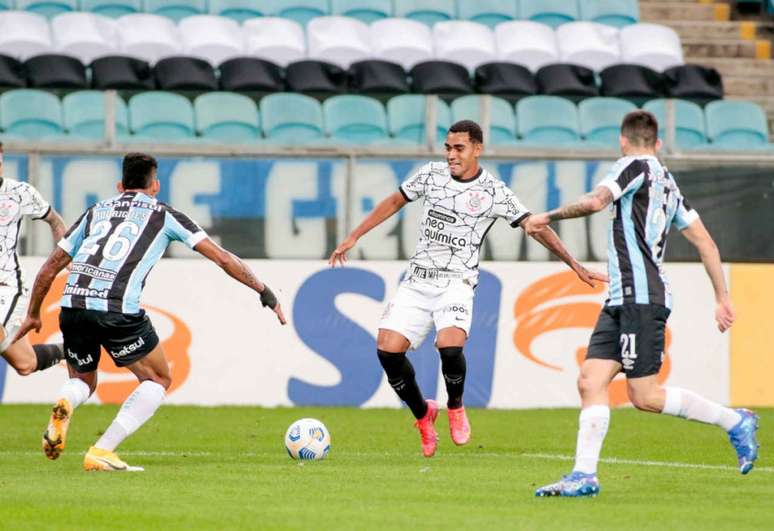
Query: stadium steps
665	11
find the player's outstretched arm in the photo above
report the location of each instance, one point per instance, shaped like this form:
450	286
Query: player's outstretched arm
238	270
587	204
697	234
55	263
57	225
383	211
550	240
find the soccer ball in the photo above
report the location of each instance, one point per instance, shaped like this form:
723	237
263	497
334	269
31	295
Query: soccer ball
307	439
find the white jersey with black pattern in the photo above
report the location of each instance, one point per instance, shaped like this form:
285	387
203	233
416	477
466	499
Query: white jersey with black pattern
17	199
456	217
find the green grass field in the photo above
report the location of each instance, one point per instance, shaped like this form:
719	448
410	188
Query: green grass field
226	468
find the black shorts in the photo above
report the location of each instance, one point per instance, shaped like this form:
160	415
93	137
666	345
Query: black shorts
126	337
632	335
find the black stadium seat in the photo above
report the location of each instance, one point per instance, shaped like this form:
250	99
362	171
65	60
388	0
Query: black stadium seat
634	82
122	73
694	82
11	73
375	76
570	81
440	77
55	71
508	80
251	74
315	77
185	73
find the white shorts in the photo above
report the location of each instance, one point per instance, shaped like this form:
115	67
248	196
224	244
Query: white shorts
13	306
418	305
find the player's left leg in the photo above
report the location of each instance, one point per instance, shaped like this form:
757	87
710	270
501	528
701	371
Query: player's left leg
26	358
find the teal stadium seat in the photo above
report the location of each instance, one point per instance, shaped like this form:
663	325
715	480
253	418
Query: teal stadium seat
690	129
161	116
112	8
84	115
406	116
358	120
488	12
426	11
176	9
364	10
6	5
31	114
227	117
502	128
238	10
302	11
292	119
737	125
550	12
616	13
600	119
548	121
47	8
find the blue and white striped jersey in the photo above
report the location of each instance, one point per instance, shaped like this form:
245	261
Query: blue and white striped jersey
115	244
647	202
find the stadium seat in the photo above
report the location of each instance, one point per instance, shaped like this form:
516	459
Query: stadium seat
316	77
488	12
634	82
85	35
690	129
24	35
123	73
149	37
571	81
426	11
530	44
12	73
406	116
652	45
600	119
502	127
376	76
47	8
236	10
30	113
274	39
161	115
227	117
467	43
505	79
55	71
351	119
694	82
401	41
212	38
112	8
364	10
176	9
440	77
551	12
338	40
737	125
251	74
547	120
84	114
292	119
185	73
588	44
301	11
616	13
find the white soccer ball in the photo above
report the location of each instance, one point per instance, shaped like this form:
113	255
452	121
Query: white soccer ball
307	439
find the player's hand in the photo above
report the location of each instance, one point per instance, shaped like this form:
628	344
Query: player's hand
536	223
724	314
340	253
30	323
589	276
280	315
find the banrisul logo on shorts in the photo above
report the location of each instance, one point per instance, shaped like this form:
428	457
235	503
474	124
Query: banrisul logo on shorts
434	225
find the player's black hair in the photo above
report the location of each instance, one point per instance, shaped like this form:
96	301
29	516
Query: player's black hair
138	171
471	128
640	128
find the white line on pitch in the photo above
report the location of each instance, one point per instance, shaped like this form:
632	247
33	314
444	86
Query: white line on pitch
667	464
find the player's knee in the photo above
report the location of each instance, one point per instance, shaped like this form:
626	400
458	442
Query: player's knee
587	386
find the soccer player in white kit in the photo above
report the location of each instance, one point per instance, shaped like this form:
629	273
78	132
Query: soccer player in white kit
461	203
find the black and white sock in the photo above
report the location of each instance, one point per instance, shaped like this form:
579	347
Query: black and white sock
48	355
402	378
453	367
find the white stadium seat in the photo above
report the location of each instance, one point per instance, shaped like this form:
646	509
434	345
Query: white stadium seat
338	40
23	35
85	35
527	43
279	40
467	43
149	37
588	44
212	38
652	45
403	41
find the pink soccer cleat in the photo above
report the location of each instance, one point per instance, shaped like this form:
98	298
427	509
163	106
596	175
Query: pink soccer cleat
426	427
459	426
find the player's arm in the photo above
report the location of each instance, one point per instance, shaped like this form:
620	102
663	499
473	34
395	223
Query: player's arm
237	269
56	223
587	204
382	212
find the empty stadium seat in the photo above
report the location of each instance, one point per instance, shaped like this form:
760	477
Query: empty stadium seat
214	39
227	117
251	74
301	11
376	76
635	82
12	73
616	13
505	79
47	8
690	129
526	43
738	125
185	73
652	45
351	119
274	39
502	127
571	81
112	8
149	37
338	40
236	10
588	44
693	82
364	10
85	35
176	9
407	119
488	12
161	115
119	72
600	119
440	77
551	12
55	71
547	120
401	41
426	11
292	119
84	114
24	35
316	77
30	113
467	43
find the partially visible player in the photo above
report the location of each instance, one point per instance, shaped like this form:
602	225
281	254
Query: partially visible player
19	199
113	247
629	335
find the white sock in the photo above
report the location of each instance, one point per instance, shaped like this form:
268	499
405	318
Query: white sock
592	429
689	405
135	411
75	391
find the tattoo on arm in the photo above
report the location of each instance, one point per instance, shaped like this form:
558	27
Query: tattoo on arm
55	263
57	225
589	203
549	239
240	271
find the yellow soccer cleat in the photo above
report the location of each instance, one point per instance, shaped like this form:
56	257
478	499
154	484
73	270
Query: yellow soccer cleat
106	461
55	435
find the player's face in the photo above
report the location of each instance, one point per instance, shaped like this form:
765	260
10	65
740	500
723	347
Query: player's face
462	154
